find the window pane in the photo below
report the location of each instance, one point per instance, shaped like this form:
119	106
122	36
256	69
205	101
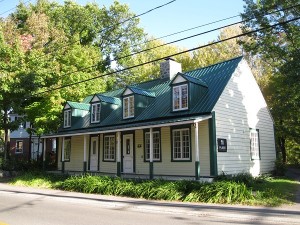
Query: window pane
156	145
67	149
131	102
176	98
184	96
109	148
254	144
125	105
181	144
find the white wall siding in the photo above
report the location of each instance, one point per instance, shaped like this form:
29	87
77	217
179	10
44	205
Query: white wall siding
241	107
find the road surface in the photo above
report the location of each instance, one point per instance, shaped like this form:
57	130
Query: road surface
24	206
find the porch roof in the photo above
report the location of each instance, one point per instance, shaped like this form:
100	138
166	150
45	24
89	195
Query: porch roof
133	126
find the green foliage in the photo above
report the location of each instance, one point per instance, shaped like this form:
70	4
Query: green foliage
279	48
280	168
239	189
221	192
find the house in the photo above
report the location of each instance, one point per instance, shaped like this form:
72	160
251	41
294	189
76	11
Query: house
21	147
199	123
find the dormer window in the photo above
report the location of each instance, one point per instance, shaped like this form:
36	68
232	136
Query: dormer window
95	114
180	97
67	118
128	107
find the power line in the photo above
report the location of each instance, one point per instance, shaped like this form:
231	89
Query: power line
175	54
178	40
122	22
192	28
13	8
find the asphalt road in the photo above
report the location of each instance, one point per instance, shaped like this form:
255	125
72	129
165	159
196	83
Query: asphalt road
42	207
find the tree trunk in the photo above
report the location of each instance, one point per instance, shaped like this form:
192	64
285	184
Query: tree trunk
282	149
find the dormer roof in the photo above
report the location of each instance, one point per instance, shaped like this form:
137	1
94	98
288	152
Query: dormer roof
104	98
139	91
184	77
77	105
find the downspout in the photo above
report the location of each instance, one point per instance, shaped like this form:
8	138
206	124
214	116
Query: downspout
212	144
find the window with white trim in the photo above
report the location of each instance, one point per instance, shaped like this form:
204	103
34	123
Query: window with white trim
67	118
109	148
156	146
180	97
181	144
19	147
254	144
95	114
128	107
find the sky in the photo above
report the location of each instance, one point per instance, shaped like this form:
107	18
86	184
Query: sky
174	17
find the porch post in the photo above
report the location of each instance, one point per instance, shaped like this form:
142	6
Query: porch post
84	153
118	153
44	154
151	154
197	158
213	147
63	155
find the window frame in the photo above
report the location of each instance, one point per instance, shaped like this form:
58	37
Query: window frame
94	116
254	153
181	129
70	150
147	131
130	108
18	147
180	98
67	118
105	159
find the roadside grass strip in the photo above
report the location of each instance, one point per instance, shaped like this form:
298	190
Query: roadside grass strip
239	189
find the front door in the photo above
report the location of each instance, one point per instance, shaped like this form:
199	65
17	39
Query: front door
94	154
128	153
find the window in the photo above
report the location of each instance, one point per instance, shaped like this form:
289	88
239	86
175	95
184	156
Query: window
67	118
156	146
180	97
254	144
95	115
109	148
19	147
128	107
67	149
181	144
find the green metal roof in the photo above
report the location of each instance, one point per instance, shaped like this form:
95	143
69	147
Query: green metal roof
141	91
215	77
77	105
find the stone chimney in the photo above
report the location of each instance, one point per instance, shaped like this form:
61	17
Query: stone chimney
169	68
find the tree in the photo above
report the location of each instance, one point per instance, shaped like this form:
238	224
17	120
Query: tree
65	44
280	48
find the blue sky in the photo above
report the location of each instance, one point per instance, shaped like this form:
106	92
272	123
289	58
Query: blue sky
174	17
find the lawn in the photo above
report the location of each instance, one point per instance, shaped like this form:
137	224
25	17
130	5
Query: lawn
241	189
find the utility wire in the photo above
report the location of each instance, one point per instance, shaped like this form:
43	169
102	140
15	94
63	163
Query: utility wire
114	25
12	8
172	42
179	53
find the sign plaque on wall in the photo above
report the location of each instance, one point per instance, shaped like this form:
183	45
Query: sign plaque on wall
222	145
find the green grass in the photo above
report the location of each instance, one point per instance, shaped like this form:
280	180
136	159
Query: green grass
240	189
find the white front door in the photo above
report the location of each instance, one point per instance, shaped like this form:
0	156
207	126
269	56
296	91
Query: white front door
94	154
128	153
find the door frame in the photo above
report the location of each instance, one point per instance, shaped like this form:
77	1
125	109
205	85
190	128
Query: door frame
90	146
122	148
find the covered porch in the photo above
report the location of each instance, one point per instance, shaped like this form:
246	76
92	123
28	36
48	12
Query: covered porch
135	151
